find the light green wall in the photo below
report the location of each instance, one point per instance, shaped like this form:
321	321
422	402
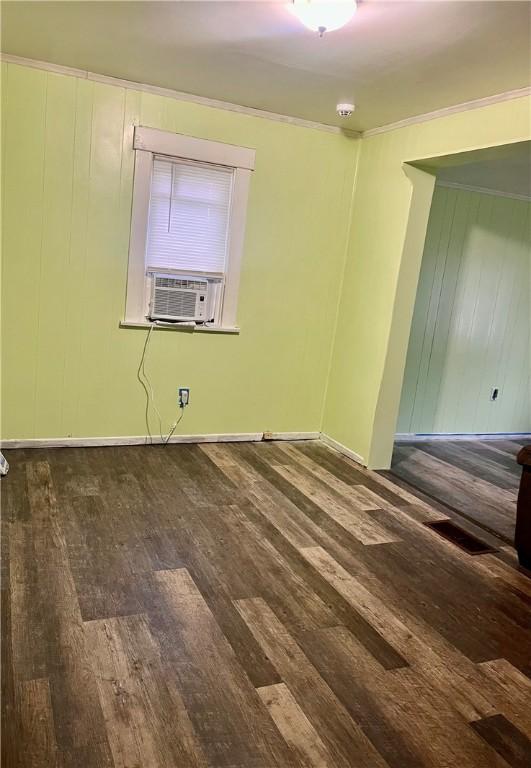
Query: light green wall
382	269
327	293
68	369
471	324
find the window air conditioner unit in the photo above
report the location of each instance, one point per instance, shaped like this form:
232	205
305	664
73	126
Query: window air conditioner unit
179	298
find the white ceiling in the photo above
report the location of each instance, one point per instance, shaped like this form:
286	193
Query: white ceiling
503	169
394	60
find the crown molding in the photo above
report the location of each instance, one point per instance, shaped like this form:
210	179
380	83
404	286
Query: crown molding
176	95
252	112
482	190
465	106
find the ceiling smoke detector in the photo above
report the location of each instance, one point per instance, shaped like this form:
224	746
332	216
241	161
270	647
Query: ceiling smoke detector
345	110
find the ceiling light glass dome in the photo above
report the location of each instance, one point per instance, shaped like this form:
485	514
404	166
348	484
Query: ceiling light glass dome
323	15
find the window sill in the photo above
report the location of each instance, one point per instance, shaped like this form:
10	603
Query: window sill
234	330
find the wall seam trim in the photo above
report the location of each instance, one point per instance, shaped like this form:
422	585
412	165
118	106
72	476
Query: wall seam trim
454	109
228	106
482	190
170	93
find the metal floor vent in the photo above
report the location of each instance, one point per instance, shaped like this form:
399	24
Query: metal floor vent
461	538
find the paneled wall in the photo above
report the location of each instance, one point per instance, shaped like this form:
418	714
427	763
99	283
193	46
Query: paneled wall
471	325
383	264
68	368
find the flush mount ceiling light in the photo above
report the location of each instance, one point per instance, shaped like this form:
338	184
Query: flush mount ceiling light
323	15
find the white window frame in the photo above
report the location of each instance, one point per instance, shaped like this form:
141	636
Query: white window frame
149	142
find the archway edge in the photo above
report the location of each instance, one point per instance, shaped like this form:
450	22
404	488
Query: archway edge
422	175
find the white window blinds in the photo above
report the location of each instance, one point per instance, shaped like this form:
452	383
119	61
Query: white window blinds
189	215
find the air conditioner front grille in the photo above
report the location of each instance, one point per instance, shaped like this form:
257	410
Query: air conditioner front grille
174	303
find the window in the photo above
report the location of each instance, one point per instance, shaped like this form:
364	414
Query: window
187	227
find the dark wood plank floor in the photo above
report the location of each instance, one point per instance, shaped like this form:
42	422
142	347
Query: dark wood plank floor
249	606
478	479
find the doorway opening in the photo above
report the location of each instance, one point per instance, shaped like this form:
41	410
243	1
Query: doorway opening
465	408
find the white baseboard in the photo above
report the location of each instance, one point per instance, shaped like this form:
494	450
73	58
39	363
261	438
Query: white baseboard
343	449
233	437
295	436
92	442
411	436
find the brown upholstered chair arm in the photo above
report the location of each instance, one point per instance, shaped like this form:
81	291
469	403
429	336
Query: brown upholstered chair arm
522	534
524	456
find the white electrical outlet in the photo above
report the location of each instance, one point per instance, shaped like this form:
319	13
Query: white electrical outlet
184	396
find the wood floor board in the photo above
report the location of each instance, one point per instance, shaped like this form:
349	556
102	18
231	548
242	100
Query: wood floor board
9	716
441	511
363	687
412	638
476	479
479	500
37	742
295	727
506	739
286	591
296	517
281	512
261	605
510	447
204	478
162	551
447	615
78	718
443	725
311	520
348	472
181	541
145	716
497	569
383	651
490	450
224	708
408	721
76	470
271	478
354	520
297	459
27	609
342	737
447	669
280	541
228	534
105	563
416	562
208	573
463	454
511	689
15	501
